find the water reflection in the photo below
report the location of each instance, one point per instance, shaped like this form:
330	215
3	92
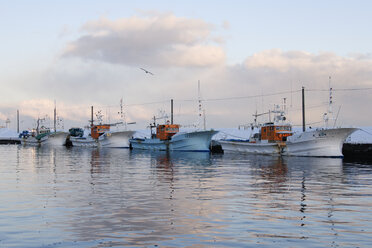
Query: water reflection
272	173
146	198
117	197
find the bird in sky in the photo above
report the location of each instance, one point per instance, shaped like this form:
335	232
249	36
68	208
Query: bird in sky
147	71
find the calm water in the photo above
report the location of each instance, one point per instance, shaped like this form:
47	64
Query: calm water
115	197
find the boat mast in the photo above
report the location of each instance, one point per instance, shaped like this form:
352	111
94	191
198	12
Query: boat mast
122	114
91	116
55	116
152	126
303	110
17	121
200	110
329	115
330	109
204	121
172	111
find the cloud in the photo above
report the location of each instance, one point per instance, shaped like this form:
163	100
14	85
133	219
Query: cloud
86	83
312	69
158	40
102	65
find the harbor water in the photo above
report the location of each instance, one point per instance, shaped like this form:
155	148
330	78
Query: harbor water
79	197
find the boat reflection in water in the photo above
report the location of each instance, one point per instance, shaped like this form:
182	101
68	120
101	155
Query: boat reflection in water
116	197
148	198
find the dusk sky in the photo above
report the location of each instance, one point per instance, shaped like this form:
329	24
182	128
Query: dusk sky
84	53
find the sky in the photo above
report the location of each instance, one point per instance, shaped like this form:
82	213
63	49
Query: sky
244	53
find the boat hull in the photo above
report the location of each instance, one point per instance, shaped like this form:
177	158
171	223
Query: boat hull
51	139
56	139
115	140
247	147
318	143
32	141
313	143
191	141
84	142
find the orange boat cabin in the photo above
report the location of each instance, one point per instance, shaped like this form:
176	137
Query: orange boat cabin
166	131
271	132
98	130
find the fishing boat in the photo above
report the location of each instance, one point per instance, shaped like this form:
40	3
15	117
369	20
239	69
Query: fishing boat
113	135
278	138
168	137
43	136
268	138
101	136
321	142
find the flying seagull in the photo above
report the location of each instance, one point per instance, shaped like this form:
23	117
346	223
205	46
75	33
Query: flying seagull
147	71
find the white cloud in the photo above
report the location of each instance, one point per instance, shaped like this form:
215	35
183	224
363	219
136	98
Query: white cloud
103	64
261	73
161	40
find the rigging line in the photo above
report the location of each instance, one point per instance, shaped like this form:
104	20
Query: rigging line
242	97
146	103
130	105
308	107
300	125
341	89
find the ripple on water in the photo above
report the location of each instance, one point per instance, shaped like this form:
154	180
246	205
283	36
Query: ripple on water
58	197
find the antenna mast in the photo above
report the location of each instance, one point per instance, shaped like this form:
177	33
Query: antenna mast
200	111
122	113
329	115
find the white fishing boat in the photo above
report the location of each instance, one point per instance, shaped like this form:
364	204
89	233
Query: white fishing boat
43	136
106	138
174	140
279	139
268	138
113	135
49	138
169	138
32	138
322	142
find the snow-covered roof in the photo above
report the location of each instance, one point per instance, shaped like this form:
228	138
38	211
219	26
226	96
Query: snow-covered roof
8	133
362	136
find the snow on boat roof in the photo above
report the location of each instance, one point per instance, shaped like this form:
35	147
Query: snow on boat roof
8	133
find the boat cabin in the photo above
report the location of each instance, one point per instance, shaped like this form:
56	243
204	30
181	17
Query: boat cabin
166	131
98	130
272	132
